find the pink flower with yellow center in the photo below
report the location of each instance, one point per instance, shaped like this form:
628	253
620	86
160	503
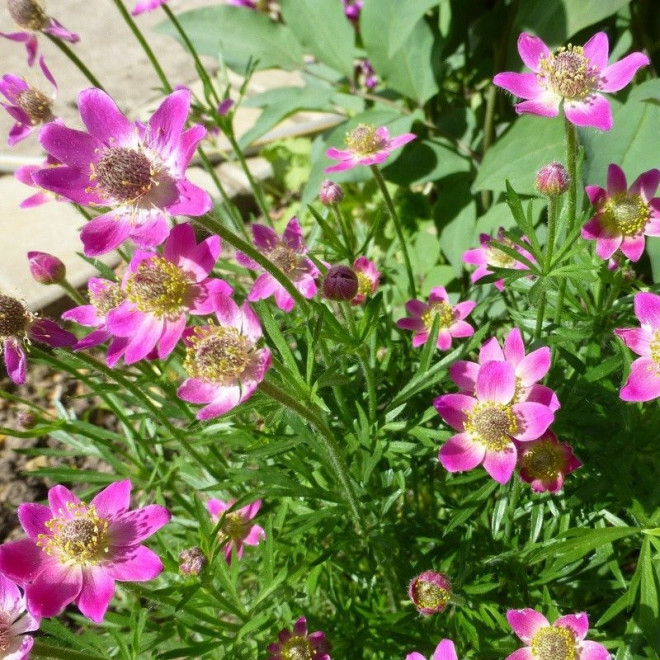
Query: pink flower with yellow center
222	361
489	422
623	215
14	643
299	644
545	462
430	591
450	319
366	145
643	383
161	290
444	651
236	529
75	552
136	170
288	254
575	75
563	640
529	369
368	277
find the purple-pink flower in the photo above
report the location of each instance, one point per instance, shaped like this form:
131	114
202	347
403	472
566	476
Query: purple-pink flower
14	643
450	319
223	364
366	145
236	529
28	106
25	173
135	169
147	5
288	254
489	255
643	383
368	277
575	74
562	640
300	644
18	325
488	423
623	215
545	462
75	552
430	591
352	9
444	651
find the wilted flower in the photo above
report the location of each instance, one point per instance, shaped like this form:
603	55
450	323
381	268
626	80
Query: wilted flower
643	383
223	364
623	215
563	640
147	5
135	169
14	643
488	423
331	193
299	644
552	180
236	529
451	323
46	268
444	651
18	325
28	105
430	591
75	551
288	254
340	283
574	74
367	145
368	277
192	561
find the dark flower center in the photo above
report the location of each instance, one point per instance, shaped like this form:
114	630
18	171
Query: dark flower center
123	174
492	424
365	140
626	214
431	596
158	287
217	354
297	648
569	73
554	643
36	105
28	14
14	318
285	258
543	460
106	298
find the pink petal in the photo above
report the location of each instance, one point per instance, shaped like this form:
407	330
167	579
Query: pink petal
33	519
104	233
578	623
647	309
265	238
438	294
461	453
83	315
646	184
521	654
342	166
21	561
491	351
461	329
496	382
265	285
217	507
593	228
15	360
104	120
526	623
167	123
597	50
514	348
113	500
501	464
254	536
10	598
522	85
134	564
594	111
463	309
194	390
445	651
416	307
170	336
534	366
400	140
637	339
593	651
150	229
228	312
59	497
533	420
444	339
546	106
616	180
132	527
415	656
619	74
293	237
419	339
283	299
633	247
190	200
476	256
53	589
97	591
464	374
145	339
643	383
224	400
532	50
454	409
48	332
414	324
75	148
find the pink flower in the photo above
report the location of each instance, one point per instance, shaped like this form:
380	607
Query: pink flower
299	644
488	255
451	323
444	651
367	145
643	383
147	5
30	15
528	369
25	173
236	529
574	74
488	423
28	105
288	254
18	326
223	365
563	640
161	290
75	551
545	462
14	643
368	277
623	215
430	591
135	169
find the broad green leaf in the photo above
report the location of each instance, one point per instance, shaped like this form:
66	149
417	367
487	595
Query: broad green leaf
400	30
321	27
239	37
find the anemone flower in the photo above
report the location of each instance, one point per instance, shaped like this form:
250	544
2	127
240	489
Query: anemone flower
300	644
236	529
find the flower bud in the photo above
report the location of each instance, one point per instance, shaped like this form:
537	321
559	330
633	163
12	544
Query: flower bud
331	193
431	592
192	561
45	268
552	180
26	420
28	14
340	283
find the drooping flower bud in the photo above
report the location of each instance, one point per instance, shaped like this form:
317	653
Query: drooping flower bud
552	180
430	591
192	561
340	283
28	14
331	193
46	268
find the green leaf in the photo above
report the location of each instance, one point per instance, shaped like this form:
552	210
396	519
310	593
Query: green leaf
648	596
321	27
239	37
400	29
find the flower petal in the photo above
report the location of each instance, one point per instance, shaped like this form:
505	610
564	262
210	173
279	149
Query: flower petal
33	519
113	500
496	382
501	464
53	589
461	453
647	309
134	564
578	623
522	85
526	623
97	591
132	527
594	111
643	383
532	49
454	409
104	120
22	560
619	74
533	420
597	51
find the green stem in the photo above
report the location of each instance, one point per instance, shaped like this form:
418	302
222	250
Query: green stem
397	227
145	46
547	261
346	229
73	293
76	60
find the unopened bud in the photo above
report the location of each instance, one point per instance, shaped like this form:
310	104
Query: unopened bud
340	283
192	561
26	420
45	268
431	592
28	14
331	193
552	180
